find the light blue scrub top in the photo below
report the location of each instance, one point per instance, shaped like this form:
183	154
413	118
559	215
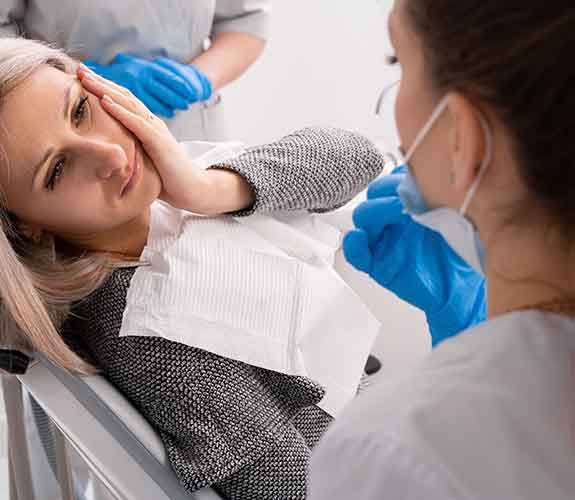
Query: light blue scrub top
178	29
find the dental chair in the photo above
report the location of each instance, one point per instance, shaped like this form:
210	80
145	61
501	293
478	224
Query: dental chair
120	447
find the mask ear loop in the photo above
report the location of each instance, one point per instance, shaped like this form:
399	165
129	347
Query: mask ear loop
426	128
484	164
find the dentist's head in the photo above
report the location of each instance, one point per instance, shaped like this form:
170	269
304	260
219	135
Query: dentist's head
485	113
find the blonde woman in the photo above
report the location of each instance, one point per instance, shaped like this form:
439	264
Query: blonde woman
82	163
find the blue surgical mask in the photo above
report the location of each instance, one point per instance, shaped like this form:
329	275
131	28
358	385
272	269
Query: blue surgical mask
457	229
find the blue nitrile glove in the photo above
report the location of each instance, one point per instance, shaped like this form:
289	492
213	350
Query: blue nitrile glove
414	262
198	82
160	89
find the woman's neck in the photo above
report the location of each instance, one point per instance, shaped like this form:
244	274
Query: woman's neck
127	240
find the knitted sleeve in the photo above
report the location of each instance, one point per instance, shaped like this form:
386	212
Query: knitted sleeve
315	169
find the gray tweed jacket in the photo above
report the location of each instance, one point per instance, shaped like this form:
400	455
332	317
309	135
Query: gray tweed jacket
245	431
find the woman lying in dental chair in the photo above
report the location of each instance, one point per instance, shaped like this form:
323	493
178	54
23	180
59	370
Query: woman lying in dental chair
83	162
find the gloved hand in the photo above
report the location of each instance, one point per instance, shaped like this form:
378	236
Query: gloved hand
197	81
161	90
414	262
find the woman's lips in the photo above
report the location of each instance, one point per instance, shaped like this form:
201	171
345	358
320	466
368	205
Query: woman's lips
136	167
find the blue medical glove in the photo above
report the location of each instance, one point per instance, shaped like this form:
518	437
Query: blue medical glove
198	83
161	90
414	262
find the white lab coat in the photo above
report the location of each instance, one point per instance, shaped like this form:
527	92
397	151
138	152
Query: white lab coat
488	415
179	29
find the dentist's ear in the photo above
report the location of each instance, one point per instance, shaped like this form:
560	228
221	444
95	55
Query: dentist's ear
467	142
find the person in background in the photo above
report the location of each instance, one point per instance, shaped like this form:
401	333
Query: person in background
485	116
173	55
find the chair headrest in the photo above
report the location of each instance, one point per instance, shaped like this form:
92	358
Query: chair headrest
13	361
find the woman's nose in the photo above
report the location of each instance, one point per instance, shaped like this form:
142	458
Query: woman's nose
108	158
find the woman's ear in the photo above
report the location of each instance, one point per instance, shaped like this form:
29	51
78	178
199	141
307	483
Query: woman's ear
467	143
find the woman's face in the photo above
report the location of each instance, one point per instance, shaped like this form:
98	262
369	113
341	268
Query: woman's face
69	161
416	101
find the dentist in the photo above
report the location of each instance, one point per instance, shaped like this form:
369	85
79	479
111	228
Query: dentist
483	213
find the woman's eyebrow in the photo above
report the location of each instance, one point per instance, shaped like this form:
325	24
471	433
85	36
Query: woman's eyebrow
67	95
38	167
49	152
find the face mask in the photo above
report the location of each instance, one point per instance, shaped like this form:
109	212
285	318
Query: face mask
457	229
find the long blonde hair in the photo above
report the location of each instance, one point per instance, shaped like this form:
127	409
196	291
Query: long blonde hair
37	284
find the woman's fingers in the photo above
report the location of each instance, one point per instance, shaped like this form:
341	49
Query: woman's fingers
100	86
148	129
142	126
84	71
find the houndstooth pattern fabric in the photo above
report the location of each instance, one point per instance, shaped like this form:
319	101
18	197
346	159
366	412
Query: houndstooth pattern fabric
314	169
246	431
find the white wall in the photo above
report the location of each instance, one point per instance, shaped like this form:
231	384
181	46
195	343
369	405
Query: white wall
324	64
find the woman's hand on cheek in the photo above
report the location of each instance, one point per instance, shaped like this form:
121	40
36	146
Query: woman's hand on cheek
183	184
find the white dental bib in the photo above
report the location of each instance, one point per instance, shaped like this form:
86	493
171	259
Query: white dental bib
257	289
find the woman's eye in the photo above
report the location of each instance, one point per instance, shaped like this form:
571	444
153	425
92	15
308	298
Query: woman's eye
55	174
80	111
